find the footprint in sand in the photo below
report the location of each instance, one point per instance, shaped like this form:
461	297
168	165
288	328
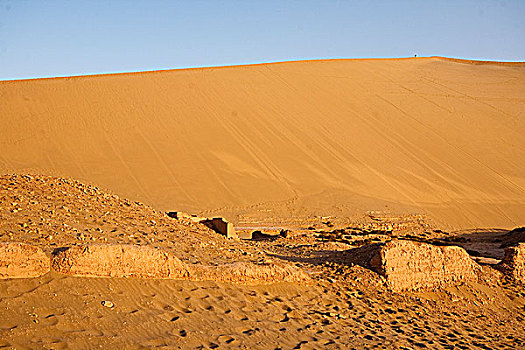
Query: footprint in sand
226	339
49	320
300	344
54	344
168	308
247	331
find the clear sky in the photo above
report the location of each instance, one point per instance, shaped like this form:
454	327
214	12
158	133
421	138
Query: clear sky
42	38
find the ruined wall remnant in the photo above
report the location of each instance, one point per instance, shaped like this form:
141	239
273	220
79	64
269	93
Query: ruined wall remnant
118	260
409	265
514	262
220	225
251	274
123	260
19	260
180	215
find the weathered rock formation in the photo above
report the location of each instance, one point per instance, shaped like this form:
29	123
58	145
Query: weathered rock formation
118	260
19	260
409	265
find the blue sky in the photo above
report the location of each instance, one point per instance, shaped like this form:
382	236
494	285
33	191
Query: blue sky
43	38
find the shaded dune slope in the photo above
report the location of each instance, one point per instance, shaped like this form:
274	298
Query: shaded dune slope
433	135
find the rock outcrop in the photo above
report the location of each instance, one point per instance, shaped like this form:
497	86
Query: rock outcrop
118	260
409	265
19	260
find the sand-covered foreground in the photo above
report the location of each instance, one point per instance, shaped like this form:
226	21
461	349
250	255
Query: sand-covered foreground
428	136
359	292
64	312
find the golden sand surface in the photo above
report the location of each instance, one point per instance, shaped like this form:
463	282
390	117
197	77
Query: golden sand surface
378	195
424	135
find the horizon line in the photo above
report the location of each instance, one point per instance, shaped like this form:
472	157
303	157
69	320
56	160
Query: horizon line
111	73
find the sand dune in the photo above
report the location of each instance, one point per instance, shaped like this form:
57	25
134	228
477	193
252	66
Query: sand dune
427	135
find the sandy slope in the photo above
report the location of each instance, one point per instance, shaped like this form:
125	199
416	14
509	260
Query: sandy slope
433	135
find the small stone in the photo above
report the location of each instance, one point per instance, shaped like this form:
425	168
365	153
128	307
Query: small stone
107	303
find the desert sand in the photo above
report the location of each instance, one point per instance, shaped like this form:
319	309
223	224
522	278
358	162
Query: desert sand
380	204
424	135
89	294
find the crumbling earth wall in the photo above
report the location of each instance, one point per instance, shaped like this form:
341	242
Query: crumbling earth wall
118	260
514	262
220	225
19	260
251	274
409	265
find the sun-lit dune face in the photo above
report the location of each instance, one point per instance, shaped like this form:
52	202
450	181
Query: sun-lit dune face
433	135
